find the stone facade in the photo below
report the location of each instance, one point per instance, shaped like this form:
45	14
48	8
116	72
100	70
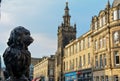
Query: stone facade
95	56
45	69
78	58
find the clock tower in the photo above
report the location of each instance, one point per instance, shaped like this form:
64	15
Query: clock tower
66	33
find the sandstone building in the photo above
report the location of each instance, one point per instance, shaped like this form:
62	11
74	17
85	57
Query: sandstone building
95	56
45	69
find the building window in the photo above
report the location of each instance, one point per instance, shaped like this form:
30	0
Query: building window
84	44
106	78
101	43
115	15
117	60
77	47
119	14
96	45
76	62
104	20
68	51
116	37
95	25
102	78
81	44
73	64
104	42
70	65
116	78
80	61
101	22
88	58
64	66
101	62
71	50
88	42
97	78
84	60
105	59
96	61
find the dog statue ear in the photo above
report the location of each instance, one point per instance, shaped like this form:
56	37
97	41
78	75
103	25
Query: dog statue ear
11	39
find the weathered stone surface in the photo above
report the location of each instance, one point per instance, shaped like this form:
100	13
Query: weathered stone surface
116	3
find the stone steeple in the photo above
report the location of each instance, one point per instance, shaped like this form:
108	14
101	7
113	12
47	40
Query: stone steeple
108	4
66	33
66	17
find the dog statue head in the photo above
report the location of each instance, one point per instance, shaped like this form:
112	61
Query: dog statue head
20	37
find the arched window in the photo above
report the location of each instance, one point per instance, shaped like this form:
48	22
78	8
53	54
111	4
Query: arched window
115	15
102	21
119	13
116	37
101	43
96	45
95	25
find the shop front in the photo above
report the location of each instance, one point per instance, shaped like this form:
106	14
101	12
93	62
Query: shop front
84	75
71	76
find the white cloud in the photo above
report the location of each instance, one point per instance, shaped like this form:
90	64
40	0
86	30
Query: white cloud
6	18
21	12
43	45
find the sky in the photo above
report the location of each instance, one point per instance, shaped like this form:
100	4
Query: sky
42	18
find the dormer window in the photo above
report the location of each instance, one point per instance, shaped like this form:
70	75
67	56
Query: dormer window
115	15
119	13
116	37
101	43
95	25
102	21
96	45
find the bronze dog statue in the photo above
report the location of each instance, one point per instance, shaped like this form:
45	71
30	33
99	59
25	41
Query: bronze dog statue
16	57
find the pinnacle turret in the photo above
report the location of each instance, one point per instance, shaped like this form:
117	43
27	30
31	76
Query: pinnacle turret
66	16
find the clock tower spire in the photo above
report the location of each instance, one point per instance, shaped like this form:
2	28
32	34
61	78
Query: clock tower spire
66	17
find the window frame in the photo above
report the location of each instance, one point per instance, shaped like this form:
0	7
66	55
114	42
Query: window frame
101	61
96	61
115	15
116	55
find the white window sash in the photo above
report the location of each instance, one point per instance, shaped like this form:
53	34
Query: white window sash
119	14
104	20
115	15
95	25
100	22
